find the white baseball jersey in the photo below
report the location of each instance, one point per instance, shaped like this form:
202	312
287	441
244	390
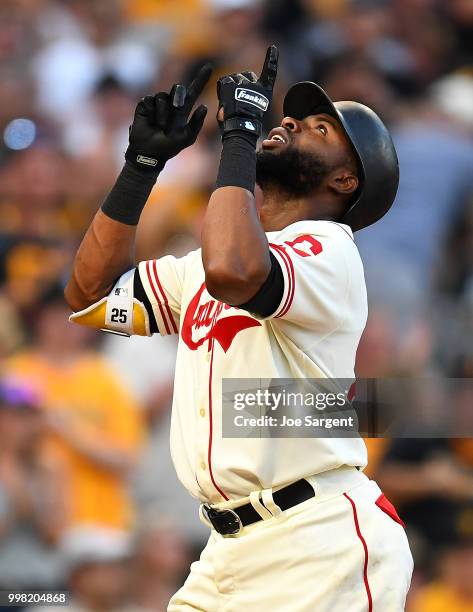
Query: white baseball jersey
313	333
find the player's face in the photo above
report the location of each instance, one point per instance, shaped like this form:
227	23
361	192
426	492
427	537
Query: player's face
319	135
299	154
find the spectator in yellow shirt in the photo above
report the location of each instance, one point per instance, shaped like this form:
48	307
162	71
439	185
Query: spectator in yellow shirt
94	429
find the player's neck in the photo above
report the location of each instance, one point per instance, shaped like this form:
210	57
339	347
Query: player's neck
277	212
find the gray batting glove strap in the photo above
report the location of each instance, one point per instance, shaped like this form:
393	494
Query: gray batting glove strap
245	99
241	124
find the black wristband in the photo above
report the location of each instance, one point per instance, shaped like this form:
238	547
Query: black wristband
126	200
238	161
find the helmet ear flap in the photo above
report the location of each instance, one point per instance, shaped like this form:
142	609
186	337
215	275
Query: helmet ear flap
378	163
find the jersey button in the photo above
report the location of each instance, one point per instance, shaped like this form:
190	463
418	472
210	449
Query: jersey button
207	356
203	466
202	412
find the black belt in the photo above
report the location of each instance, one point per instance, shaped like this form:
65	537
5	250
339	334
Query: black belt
231	522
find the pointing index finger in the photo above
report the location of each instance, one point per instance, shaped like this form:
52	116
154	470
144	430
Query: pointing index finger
197	85
270	67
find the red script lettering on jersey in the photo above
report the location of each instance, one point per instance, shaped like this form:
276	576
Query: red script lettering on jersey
205	317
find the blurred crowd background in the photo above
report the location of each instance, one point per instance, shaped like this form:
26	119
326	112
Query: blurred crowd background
88	497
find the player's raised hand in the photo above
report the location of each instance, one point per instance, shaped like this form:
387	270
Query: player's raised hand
270	68
161	126
244	98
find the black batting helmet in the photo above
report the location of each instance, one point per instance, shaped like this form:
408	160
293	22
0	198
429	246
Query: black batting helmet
377	160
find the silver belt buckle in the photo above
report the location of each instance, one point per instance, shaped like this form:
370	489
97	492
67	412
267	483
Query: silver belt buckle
226	522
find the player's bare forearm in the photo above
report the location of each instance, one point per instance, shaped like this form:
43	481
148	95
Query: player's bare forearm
162	127
106	252
235	250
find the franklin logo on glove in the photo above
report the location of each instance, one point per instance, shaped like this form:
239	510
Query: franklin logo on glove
244	99
250	97
148	161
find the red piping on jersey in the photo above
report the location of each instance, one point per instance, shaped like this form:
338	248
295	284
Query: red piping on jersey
365	548
293	284
157	298
165	300
209	452
291	277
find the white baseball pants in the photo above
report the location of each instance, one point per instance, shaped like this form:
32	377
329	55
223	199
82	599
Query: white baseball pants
336	552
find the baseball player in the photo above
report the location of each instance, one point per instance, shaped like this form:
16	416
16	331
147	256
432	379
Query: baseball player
277	292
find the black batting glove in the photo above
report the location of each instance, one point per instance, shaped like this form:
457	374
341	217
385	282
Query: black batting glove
245	98
161	127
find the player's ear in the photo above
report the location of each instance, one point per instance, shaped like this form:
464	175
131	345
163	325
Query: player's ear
343	182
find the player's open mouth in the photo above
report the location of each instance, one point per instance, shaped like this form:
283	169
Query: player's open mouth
276	138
